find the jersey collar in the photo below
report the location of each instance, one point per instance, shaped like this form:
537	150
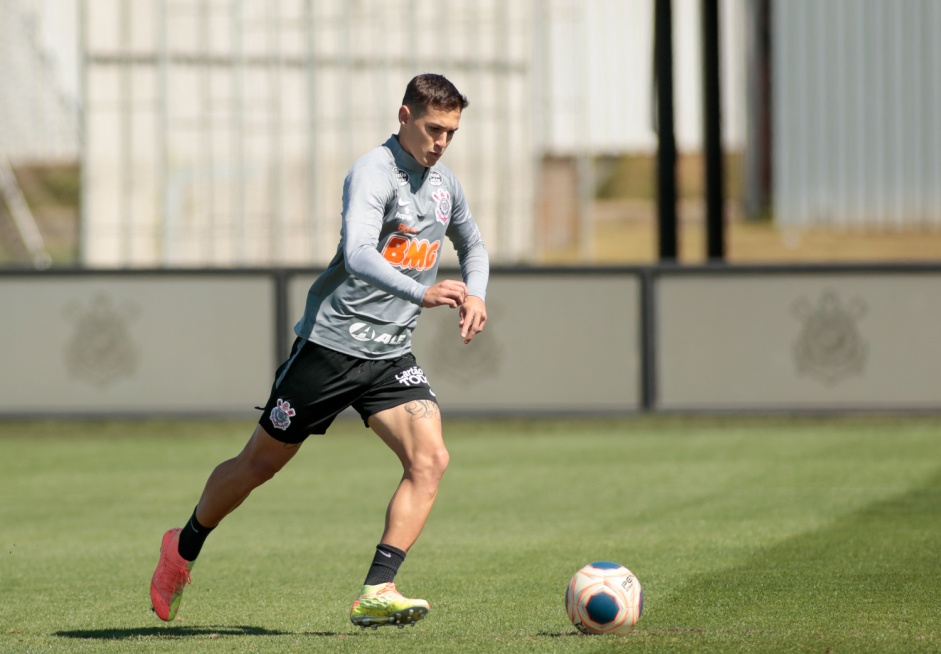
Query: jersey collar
402	158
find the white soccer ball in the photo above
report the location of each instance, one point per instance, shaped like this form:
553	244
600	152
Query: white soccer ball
604	598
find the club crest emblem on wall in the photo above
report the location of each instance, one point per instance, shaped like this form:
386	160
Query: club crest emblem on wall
101	350
476	363
829	346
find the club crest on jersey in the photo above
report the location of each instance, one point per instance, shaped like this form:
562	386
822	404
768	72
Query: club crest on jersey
400	175
434	178
281	415
443	206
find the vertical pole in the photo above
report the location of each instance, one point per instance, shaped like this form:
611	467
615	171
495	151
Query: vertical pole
239	132
210	235
584	163
347	83
758	99
313	173
125	224
505	224
85	232
167	236
666	148
277	244
540	85
712	125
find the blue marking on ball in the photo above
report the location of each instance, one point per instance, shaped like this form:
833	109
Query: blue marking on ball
602	608
605	565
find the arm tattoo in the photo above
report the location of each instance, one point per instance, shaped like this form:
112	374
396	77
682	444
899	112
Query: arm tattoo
422	409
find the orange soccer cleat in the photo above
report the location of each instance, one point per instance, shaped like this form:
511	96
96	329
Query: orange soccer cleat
171	575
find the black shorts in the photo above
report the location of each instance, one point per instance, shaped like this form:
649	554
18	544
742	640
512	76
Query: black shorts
316	384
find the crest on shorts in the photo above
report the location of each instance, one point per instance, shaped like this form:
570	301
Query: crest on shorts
281	415
443	206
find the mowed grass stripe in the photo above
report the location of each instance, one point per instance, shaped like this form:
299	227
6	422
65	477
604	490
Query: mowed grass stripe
866	583
748	535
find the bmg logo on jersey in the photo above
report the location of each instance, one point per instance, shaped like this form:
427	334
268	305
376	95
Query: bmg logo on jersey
411	377
411	253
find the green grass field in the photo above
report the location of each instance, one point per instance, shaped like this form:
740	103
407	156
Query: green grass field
748	534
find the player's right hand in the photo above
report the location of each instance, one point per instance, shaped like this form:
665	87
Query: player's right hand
447	293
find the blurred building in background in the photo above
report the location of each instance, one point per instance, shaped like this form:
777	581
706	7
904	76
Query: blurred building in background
217	132
857	113
40	124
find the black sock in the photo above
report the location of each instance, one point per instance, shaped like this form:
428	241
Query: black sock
385	565
192	537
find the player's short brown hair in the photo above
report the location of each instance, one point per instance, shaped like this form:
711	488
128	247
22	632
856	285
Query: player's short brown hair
433	91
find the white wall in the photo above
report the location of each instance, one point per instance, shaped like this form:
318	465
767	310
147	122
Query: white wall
781	341
598	75
857	113
737	339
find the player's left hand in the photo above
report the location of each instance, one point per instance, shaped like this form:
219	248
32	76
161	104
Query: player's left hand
473	317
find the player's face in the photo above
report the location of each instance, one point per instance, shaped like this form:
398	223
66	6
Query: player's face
427	136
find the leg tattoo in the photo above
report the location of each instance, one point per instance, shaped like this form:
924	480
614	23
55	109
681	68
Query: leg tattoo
422	409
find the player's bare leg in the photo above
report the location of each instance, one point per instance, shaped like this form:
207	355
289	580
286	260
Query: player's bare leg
232	481
413	432
228	486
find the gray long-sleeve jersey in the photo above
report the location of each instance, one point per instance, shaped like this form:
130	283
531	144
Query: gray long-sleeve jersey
396	214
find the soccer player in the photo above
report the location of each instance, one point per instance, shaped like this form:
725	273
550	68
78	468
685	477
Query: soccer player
353	349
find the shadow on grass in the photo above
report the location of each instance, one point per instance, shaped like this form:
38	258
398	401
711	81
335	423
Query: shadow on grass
179	632
559	634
